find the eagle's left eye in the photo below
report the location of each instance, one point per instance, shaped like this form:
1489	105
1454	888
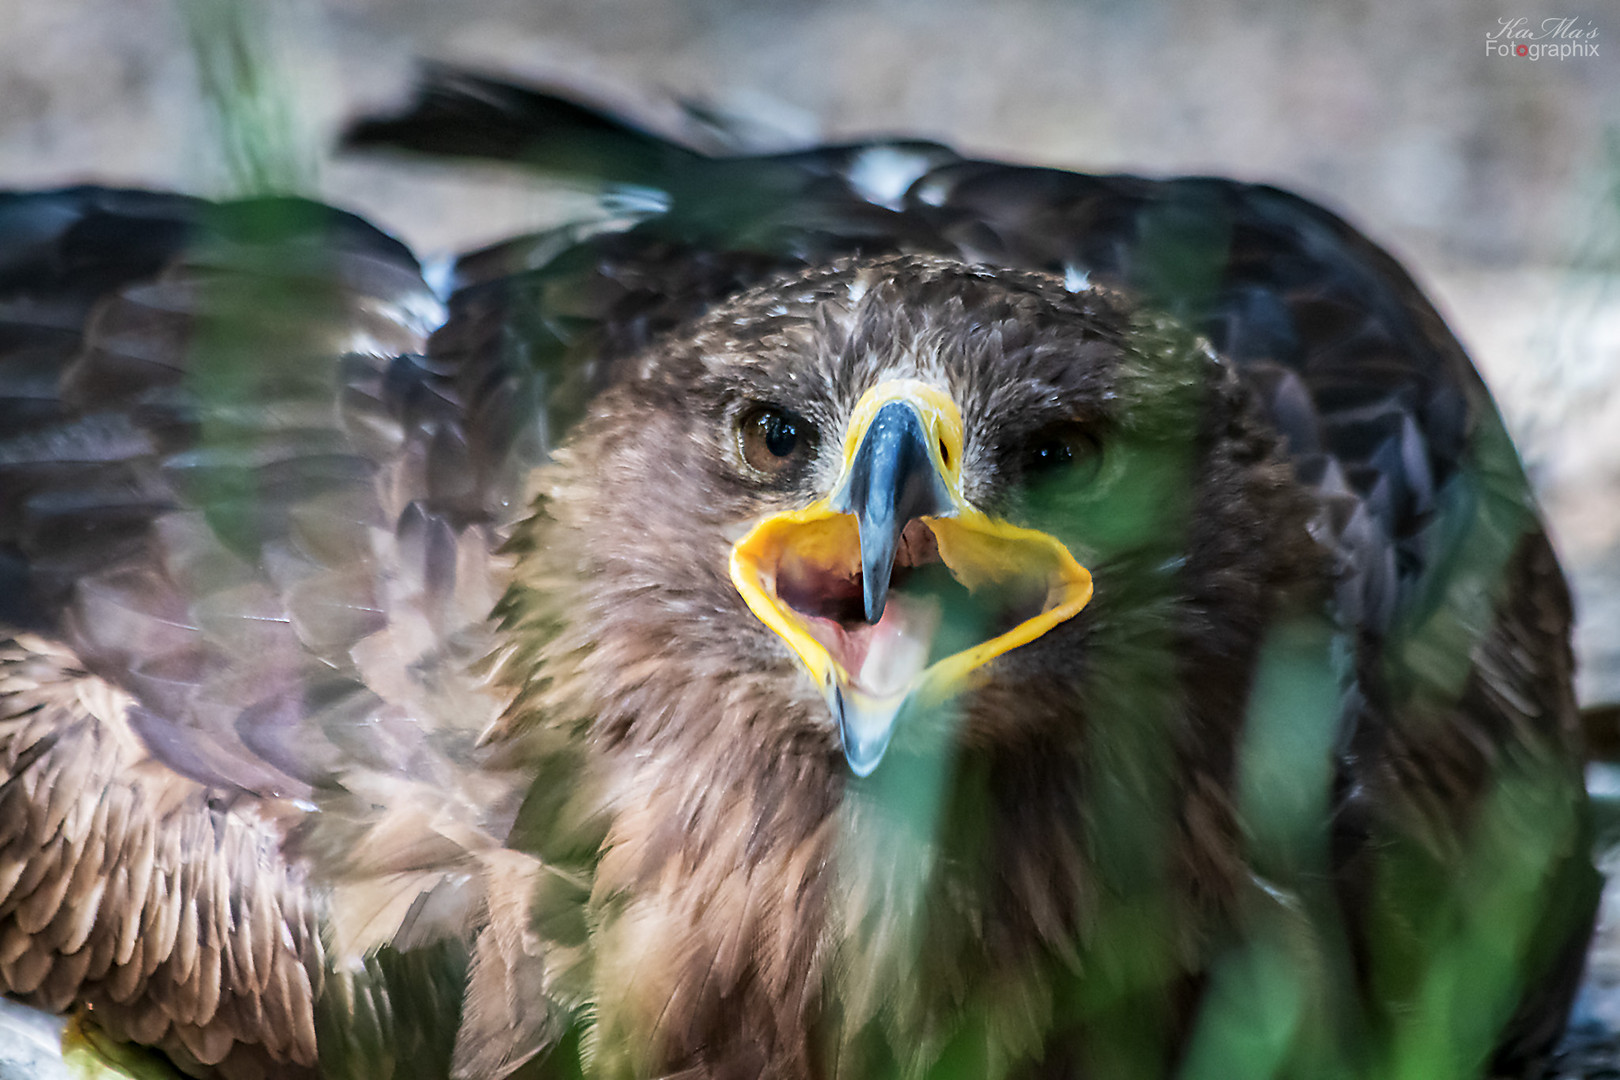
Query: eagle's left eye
1060	446
775	440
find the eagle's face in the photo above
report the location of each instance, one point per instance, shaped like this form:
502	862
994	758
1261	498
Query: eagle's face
875	489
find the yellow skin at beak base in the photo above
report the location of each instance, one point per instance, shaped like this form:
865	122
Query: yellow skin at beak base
978	550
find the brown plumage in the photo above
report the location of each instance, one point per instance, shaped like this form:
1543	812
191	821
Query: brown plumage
127	891
384	694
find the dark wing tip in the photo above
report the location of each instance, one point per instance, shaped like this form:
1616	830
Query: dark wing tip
1600	726
459	113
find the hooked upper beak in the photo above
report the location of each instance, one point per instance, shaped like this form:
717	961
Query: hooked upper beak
891	480
827	578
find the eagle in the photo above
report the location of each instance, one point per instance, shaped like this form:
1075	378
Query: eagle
855	612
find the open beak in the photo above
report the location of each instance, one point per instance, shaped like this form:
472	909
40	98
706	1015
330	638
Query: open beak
894	589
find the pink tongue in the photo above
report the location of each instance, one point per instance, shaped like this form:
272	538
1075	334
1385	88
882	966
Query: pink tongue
885	659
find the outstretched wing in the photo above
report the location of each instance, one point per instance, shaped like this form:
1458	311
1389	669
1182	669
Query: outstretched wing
248	523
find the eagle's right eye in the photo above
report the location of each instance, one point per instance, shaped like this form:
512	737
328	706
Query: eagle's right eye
774	440
1060	447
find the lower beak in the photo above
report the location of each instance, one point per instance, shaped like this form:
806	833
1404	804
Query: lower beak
894	590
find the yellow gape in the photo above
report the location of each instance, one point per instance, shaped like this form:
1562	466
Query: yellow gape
902	464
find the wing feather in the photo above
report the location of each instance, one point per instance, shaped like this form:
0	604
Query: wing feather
255	541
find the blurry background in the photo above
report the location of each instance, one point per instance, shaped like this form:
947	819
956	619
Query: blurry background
1495	179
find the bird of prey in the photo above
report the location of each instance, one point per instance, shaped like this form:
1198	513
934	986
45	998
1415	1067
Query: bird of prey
861	612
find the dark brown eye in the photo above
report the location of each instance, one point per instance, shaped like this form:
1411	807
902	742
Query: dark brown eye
1059	447
774	440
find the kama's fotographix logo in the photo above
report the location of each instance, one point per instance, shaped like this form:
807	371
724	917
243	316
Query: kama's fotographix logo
1550	39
